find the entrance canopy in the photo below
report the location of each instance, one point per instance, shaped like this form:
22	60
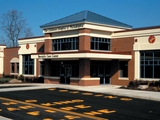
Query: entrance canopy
98	56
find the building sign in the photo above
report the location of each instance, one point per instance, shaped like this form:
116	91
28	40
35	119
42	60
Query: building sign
151	39
64	28
47	56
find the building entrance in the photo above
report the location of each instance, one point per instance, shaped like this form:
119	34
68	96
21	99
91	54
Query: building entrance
104	77
101	70
65	74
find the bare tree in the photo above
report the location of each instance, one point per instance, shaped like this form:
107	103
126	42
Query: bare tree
15	26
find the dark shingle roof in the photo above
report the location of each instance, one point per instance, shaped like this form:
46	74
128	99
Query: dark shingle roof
86	16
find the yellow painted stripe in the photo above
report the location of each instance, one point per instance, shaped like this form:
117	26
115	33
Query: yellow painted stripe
87	93
126	99
52	89
47	119
55	109
63	90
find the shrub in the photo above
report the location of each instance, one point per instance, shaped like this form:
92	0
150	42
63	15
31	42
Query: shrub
21	77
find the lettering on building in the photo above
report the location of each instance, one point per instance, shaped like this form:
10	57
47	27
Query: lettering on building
64	28
47	56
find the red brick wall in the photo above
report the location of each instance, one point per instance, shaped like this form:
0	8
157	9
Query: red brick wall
40	47
122	45
84	41
9	53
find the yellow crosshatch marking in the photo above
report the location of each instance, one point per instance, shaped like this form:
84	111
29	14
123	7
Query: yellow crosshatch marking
63	102
87	93
47	119
30	101
54	109
71	117
10	103
66	102
63	90
98	95
51	89
92	113
34	113
12	109
68	108
106	111
126	99
74	92
100	112
25	107
50	111
82	106
47	104
77	100
58	103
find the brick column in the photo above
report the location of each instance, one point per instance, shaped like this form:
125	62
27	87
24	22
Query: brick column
84	68
48	44
47	67
84	40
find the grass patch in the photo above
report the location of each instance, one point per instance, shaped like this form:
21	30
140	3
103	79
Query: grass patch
3	80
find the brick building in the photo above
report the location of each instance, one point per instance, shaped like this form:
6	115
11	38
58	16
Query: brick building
86	49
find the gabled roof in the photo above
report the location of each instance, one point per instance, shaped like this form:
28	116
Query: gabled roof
86	16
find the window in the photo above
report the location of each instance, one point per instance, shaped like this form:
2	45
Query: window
28	65
41	68
17	67
12	68
150	64
123	68
100	44
65	44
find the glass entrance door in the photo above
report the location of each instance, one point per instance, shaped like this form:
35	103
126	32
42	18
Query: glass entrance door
66	73
104	77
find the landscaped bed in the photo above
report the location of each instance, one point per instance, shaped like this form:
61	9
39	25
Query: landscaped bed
143	85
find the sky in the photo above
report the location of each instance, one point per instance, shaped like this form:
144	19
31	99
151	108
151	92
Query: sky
137	13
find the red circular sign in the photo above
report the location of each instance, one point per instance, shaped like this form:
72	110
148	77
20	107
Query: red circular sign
151	39
27	46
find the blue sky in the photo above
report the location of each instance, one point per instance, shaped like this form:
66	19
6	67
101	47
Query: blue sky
137	13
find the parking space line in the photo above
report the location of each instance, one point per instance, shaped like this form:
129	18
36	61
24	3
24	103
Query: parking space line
54	109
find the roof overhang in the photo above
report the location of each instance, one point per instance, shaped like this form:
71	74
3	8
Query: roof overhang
80	25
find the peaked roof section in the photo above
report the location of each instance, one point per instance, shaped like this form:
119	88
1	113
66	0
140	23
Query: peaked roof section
86	16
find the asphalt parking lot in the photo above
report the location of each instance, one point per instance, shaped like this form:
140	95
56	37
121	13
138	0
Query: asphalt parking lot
64	104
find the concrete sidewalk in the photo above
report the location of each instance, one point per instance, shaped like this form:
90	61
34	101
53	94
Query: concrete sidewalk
108	89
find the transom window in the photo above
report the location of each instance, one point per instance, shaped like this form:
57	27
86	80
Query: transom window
100	43
65	44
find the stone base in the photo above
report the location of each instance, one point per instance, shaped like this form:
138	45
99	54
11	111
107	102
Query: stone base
85	81
52	80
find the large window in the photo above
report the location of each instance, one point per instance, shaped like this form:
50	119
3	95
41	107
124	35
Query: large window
65	44
150	64
28	65
100	44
